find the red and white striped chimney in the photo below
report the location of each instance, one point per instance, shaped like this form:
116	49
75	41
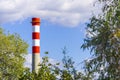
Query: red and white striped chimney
36	44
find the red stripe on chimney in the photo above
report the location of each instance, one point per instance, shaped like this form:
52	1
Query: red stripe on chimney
35	35
36	49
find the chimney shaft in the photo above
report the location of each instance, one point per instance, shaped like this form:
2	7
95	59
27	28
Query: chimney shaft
35	44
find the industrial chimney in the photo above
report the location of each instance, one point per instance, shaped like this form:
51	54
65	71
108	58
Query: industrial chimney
35	44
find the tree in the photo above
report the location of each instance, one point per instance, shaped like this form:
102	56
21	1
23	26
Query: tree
69	71
50	71
45	71
104	42
12	51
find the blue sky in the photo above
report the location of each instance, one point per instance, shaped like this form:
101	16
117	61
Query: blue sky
62	24
54	38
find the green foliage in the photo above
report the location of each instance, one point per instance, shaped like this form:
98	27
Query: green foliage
12	50
49	71
104	42
27	75
45	72
69	72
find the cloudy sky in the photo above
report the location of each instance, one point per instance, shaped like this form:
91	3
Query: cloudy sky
67	12
62	23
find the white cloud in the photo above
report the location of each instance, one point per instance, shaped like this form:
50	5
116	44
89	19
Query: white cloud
28	62
66	12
